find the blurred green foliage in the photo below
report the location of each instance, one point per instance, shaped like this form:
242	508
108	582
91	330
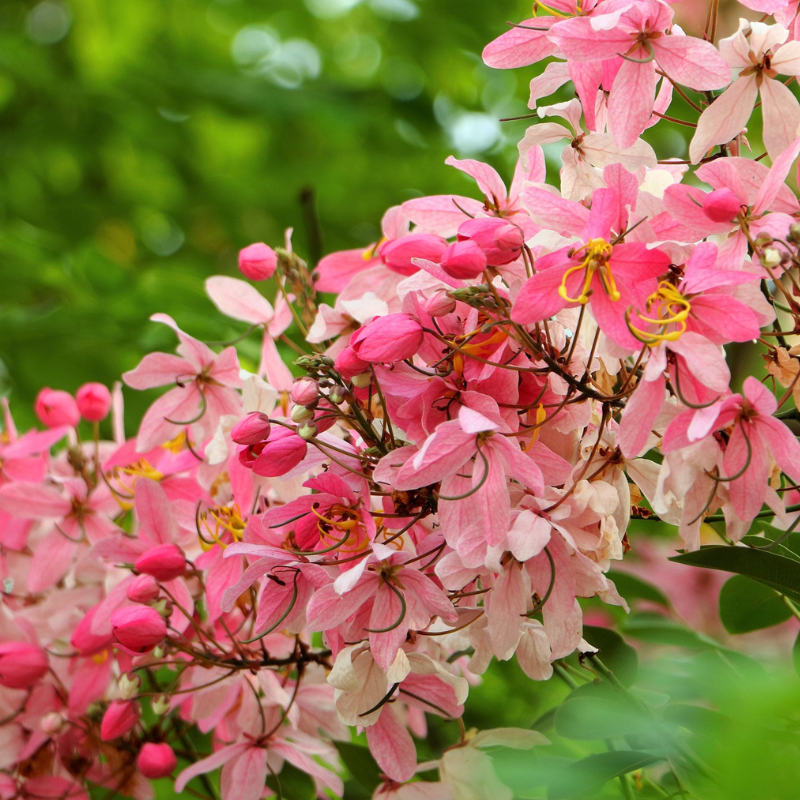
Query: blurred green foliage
142	144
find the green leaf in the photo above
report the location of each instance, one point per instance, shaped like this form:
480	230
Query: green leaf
796	654
633	588
616	653
776	571
360	763
589	774
746	605
596	711
294	784
661	630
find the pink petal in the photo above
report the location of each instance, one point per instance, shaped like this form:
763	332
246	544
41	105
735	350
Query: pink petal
639	416
781	113
245	777
442	213
154	512
630	103
506	612
520	46
209	764
725	118
489	182
34	501
239	300
392	746
158	369
692	62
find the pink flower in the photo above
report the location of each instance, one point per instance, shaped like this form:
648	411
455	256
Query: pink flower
760	53
398	255
165	562
55	407
282	452
22	664
394	337
258	262
254	428
204	389
305	391
501	241
94	401
120	717
143	589
138	628
464	260
156	760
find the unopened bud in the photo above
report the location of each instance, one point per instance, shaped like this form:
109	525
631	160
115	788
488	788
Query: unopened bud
160	704
337	395
362	381
129	684
304	391
770	257
144	589
301	413
306	431
159	651
156	760
51	723
763	239
254	428
440	304
794	233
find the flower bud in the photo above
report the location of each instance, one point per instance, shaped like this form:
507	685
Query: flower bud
120	717
398	253
160	704
464	260
156	760
362	381
794	233
282	452
85	641
306	431
337	395
54	408
164	562
258	262
721	205
159	651
770	257
138	628
440	304
51	723
129	684
22	664
301	413
254	428
94	401
394	337
349	364
764	239
144	589
304	391
500	240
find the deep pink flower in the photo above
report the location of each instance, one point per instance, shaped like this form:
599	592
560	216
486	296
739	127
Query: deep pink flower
500	240
164	562
22	664
464	260
398	255
143	589
94	401
254	428
120	717
258	262
55	407
282	452
394	337
138	628
156	760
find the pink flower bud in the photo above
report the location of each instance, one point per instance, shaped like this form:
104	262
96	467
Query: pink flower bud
500	240
143	589
85	641
722	205
138	628
258	262
305	391
394	337
51	723
464	260
252	429
156	760
54	408
164	562
440	304
348	364
398	253
22	664
120	717
283	451
94	401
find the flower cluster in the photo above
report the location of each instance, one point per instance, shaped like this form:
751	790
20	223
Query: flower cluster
496	388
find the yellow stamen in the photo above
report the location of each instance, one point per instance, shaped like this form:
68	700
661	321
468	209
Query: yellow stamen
671	308
177	444
596	261
224	519
101	657
541	416
550	11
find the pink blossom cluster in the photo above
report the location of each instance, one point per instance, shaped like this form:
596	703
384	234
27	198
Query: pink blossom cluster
488	395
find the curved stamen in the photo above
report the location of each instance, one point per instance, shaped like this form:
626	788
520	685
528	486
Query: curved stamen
474	488
598	253
282	617
403	609
203	407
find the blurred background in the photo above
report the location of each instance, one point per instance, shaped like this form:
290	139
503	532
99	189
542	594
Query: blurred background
143	143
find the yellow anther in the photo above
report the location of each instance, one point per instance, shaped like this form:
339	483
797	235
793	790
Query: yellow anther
550	11
370	252
541	416
670	308
177	444
343	524
595	262
101	657
225	519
